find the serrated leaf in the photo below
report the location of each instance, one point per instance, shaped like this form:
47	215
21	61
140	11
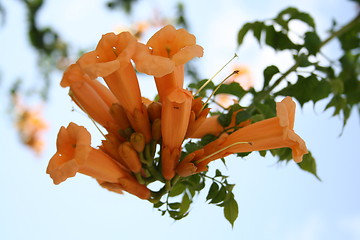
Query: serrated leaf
269	72
308	164
242	116
231	210
312	43
218	173
307	89
213	191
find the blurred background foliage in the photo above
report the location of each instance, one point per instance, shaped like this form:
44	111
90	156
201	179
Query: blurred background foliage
313	76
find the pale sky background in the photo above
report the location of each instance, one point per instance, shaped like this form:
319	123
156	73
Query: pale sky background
276	201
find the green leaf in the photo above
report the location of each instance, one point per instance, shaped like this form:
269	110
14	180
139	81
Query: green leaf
218	173
312	42
158	204
350	39
243	31
174	205
242	116
293	13
265	109
177	190
269	72
308	164
199	84
231	210
243	154
233	88
213	191
270	35
191	147
208	138
307	89
230	187
225	119
278	40
303	60
257	28
337	86
220	196
185	204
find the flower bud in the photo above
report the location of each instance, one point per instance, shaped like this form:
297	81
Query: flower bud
156	129
126	133
130	157
119	115
137	140
154	110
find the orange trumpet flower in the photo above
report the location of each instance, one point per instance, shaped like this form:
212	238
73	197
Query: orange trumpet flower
175	116
74	154
276	132
90	95
179	46
111	60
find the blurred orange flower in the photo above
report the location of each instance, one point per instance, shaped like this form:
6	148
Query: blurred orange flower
30	125
243	77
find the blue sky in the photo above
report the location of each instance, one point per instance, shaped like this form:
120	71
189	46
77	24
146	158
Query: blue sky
276	201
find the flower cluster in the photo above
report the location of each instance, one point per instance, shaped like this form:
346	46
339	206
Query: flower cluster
127	160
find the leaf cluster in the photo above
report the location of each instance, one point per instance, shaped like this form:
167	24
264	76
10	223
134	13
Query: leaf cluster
221	194
179	199
337	80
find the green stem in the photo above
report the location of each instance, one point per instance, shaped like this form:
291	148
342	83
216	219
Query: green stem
139	178
213	179
155	173
341	31
335	34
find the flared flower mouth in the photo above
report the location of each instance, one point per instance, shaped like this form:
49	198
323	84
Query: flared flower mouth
73	147
165	50
176	44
